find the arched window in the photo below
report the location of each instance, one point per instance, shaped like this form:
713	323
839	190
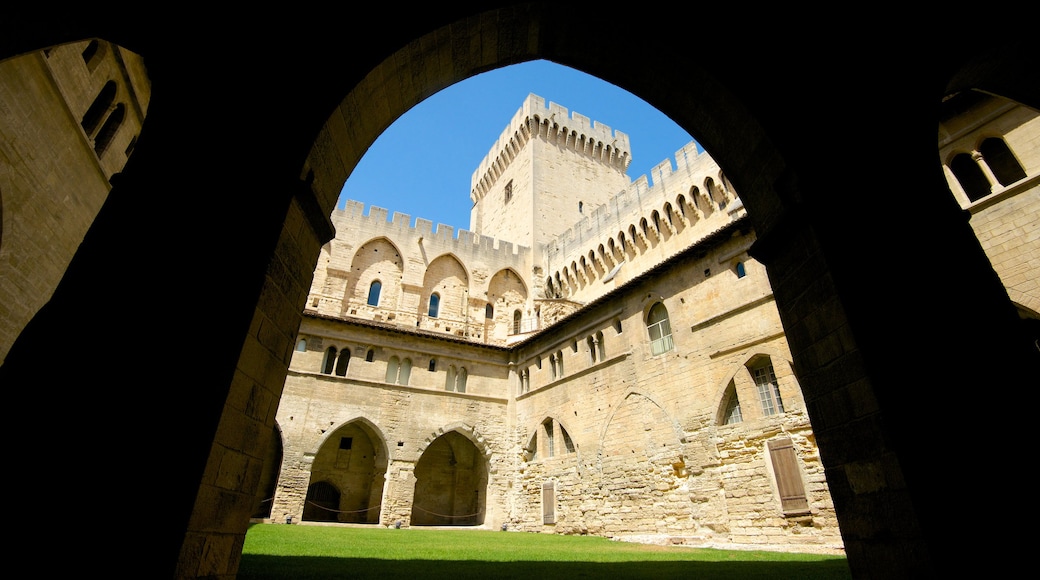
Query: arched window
659	328
973	181
552	365
600	347
460	380
108	130
433	365
435	303
96	112
342	362
330	360
370	355
406	372
373	293
740	270
1001	161
489	311
768	390
449	378
559	363
591	342
731	407
516	322
301	345
392	366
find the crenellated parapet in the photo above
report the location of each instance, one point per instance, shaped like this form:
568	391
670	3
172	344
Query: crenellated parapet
556	125
641	225
353	224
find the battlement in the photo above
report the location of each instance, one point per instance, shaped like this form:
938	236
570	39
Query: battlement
352	222
556	124
693	168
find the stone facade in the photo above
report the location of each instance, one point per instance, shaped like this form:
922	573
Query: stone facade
69	120
542	377
546	377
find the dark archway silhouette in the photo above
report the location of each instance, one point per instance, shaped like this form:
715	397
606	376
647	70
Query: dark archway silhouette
237	245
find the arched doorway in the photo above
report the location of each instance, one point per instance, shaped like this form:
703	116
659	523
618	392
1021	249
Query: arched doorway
450	483
347	475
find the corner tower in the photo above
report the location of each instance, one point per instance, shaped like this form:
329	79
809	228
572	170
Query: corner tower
545	171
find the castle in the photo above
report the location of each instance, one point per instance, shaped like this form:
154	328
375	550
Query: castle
858	310
596	357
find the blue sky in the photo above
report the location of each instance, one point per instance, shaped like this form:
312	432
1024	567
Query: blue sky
422	164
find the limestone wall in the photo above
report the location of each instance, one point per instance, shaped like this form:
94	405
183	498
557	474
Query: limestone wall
1004	219
412	262
56	173
650	455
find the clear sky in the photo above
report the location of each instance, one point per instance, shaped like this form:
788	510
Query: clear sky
422	164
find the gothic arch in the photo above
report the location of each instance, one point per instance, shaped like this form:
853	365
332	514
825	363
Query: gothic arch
771	168
740	365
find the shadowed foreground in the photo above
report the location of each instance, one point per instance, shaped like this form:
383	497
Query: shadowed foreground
317	552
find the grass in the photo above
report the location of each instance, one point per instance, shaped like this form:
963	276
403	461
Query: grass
301	552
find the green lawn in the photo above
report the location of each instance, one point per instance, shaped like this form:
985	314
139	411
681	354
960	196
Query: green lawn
301	552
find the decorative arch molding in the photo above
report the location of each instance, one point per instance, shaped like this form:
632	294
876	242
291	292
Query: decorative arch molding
467	431
625	398
378	437
741	364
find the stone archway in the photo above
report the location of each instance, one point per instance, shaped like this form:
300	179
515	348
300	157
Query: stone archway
780	127
451	479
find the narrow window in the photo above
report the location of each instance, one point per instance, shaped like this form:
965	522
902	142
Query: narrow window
108	130
568	444
516	322
342	362
789	484
508	191
559	363
96	112
301	345
768	391
600	346
373	293
92	54
460	380
731	407
740	270
1001	161
973	181
405	372
489	311
549	502
660	330
346	443
370	355
449	379
330	360
592	349
552	363
550	444
433	365
435	303
392	366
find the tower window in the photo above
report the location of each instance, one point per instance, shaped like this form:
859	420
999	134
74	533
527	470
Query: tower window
373	293
660	329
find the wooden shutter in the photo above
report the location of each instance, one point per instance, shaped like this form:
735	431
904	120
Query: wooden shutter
549	502
788	477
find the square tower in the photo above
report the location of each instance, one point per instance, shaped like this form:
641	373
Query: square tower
546	170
